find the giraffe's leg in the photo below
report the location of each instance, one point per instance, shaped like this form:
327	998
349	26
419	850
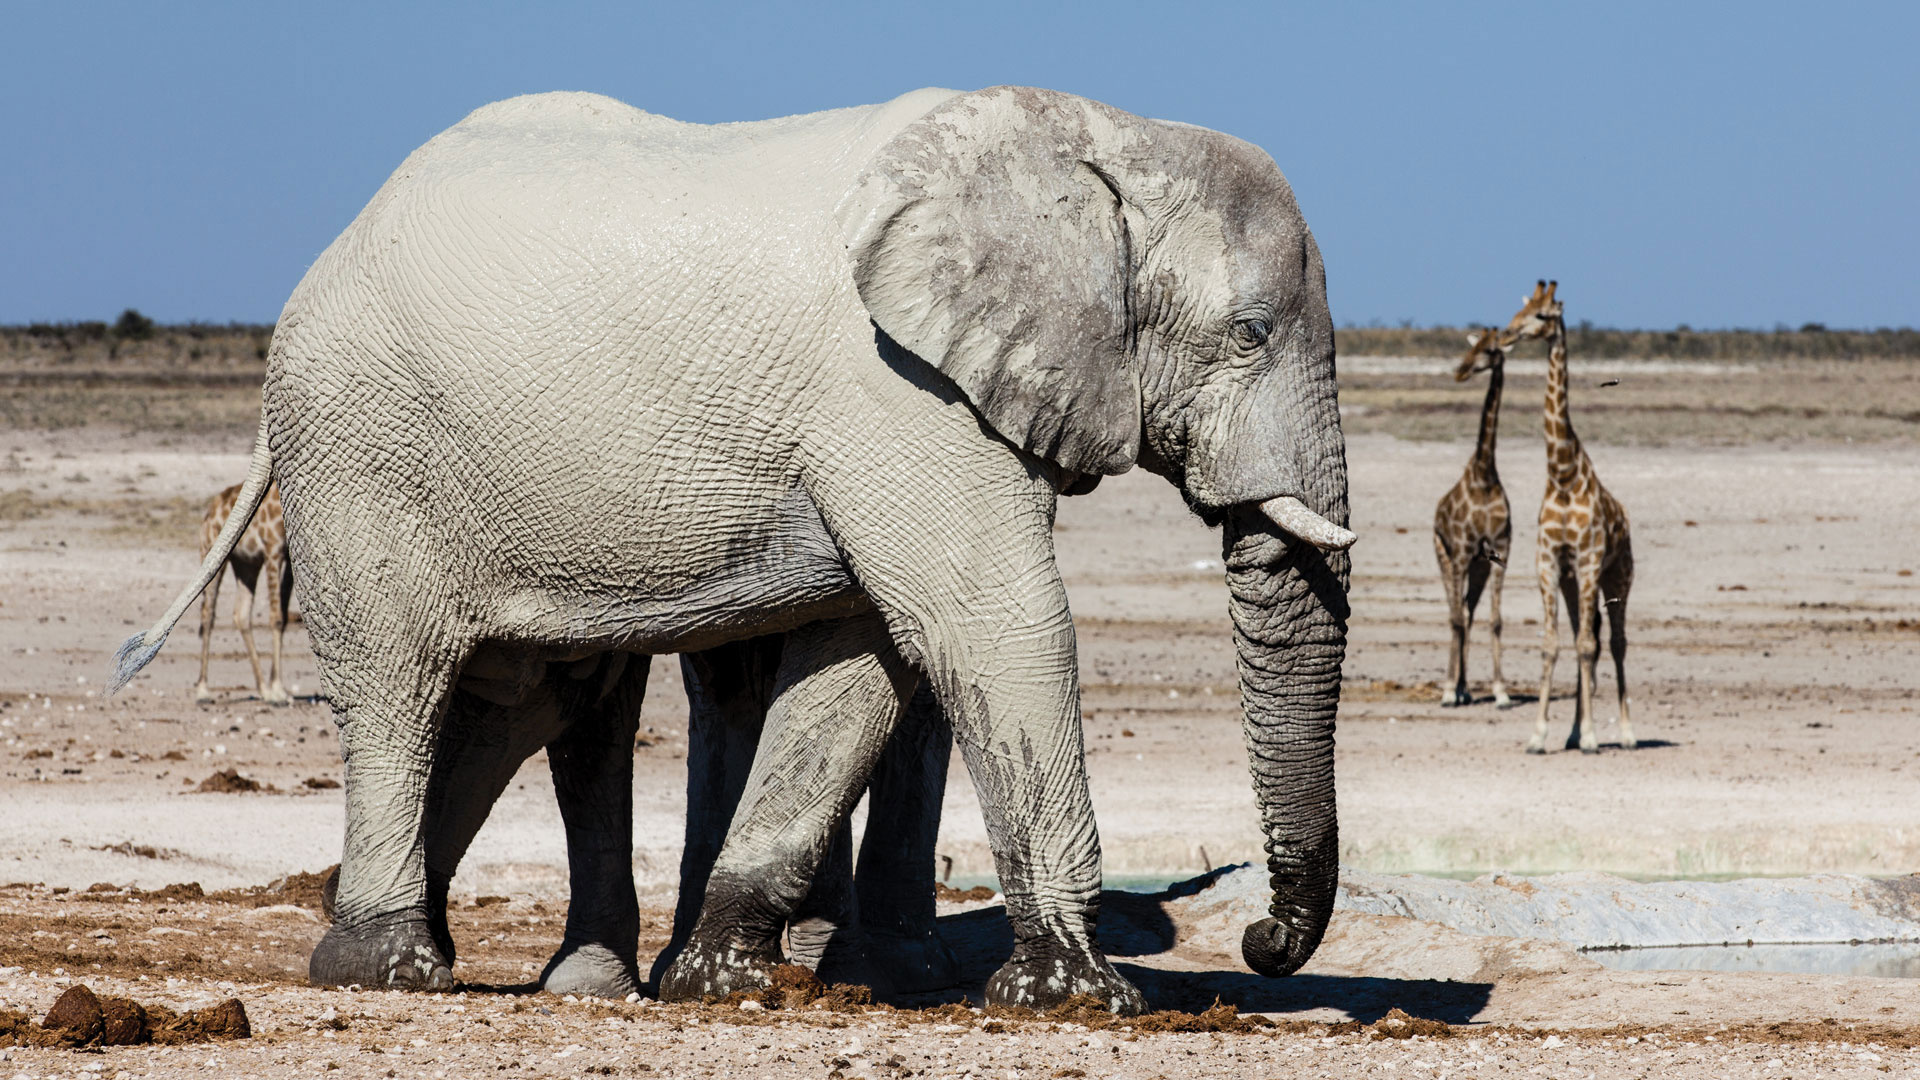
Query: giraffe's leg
1614	588
247	577
1452	576
209	606
1584	603
1496	582
1476	584
279	591
1549	567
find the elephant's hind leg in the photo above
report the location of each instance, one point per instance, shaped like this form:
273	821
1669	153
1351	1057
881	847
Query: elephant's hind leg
729	689
592	764
895	875
389	702
841	690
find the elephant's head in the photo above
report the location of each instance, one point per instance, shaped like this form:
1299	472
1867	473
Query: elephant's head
1109	290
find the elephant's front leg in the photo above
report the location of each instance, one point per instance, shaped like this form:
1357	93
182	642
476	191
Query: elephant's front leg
592	764
1017	720
895	879
839	695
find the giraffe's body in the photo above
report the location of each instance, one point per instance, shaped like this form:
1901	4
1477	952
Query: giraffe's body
263	547
1473	530
1584	551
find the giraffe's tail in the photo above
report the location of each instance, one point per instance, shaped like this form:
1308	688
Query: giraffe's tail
137	651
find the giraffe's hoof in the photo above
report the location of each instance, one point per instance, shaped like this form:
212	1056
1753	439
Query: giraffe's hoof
1629	744
1585	749
1536	748
1501	700
202	695
276	695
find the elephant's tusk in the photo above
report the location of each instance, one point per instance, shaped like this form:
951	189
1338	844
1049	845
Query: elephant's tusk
1293	516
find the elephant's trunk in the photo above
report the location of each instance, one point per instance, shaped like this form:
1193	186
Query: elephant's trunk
1289	605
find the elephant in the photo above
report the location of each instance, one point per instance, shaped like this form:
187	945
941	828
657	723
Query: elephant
582	385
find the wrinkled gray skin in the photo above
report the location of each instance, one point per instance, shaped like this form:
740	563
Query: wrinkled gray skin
582	382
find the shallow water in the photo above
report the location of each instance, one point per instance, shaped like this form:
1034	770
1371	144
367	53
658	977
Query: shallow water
1895	961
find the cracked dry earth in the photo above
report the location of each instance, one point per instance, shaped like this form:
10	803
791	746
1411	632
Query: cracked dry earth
1776	614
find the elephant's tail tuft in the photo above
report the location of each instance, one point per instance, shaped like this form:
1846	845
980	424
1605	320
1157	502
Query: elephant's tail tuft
133	655
137	651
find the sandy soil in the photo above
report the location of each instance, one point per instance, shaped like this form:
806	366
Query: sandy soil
1774	621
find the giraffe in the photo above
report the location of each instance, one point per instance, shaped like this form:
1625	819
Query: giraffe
1473	529
263	545
1583	550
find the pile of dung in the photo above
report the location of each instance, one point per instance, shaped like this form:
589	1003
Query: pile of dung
792	986
230	782
80	1018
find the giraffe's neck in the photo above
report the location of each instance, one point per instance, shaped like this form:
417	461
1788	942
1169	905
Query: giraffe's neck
1563	446
1482	464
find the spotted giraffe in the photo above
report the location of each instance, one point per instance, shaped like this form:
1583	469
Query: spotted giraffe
1584	550
262	546
1473	529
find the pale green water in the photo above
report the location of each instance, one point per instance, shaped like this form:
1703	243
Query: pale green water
1893	961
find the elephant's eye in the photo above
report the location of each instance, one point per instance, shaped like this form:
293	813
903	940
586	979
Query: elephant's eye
1251	333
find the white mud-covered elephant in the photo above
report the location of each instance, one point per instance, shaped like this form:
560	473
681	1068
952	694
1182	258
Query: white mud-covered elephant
583	385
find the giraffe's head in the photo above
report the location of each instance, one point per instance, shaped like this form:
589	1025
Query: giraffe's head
1484	353
1538	316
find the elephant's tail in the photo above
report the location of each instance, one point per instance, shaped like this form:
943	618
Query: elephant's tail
140	649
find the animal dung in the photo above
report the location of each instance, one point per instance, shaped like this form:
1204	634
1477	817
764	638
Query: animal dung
81	1018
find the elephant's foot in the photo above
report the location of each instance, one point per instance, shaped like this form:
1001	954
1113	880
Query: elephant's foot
836	954
590	969
912	965
719	969
1041	982
389	952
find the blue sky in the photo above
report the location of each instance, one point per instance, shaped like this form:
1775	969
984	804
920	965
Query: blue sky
1725	165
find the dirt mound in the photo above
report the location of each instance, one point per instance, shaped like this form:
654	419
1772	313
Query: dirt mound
320	783
230	782
944	891
80	1018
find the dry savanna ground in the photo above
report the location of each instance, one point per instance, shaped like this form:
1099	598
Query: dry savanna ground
1774	622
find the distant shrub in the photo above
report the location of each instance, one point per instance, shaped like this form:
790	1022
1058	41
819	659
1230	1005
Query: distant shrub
133	326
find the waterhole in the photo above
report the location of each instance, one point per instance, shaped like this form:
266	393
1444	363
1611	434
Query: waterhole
1898	960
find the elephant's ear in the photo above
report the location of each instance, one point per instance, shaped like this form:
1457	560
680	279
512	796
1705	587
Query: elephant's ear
991	238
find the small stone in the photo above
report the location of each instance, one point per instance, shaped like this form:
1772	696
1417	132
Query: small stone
750	1005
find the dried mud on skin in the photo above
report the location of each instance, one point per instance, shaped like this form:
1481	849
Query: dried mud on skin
79	1018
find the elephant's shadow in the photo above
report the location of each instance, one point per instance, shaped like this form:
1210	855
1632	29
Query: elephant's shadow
1138	926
